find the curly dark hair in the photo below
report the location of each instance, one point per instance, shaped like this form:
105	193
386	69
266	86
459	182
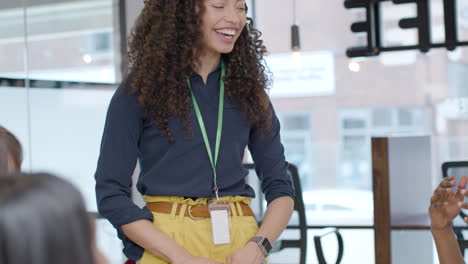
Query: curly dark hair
164	48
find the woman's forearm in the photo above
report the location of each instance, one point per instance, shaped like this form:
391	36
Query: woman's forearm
276	218
147	236
447	246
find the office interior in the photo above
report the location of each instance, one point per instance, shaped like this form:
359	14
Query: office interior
62	61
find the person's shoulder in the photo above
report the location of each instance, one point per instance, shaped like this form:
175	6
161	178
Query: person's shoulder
125	92
125	97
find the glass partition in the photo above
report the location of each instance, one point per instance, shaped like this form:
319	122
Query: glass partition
76	41
341	102
61	65
14	99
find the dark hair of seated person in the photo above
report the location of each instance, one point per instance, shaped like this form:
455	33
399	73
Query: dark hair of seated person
43	220
11	154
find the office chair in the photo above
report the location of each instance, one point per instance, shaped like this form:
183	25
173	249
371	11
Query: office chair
301	243
319	249
457	229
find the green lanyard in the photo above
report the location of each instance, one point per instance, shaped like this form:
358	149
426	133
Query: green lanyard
220	126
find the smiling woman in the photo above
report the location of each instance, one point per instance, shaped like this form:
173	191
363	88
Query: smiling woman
221	31
185	56
177	37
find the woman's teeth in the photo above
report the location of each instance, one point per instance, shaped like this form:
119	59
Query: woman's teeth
226	32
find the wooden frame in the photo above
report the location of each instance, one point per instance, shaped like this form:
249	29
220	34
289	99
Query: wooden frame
381	187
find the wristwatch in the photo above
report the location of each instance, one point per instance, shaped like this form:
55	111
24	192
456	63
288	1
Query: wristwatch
263	244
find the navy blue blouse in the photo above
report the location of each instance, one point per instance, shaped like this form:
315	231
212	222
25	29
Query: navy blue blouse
181	168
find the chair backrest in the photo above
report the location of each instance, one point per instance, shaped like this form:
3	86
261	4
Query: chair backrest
319	247
300	243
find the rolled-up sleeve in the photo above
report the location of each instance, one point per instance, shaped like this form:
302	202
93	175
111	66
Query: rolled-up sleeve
117	161
270	163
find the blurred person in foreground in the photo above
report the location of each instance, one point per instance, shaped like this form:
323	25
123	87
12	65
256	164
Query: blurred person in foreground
43	220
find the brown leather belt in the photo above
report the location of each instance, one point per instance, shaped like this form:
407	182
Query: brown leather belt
194	211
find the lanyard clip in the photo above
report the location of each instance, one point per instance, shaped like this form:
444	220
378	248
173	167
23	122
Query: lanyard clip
216	189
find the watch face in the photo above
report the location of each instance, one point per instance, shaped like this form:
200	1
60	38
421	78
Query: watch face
266	245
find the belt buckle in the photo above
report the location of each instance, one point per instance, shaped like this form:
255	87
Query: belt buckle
189	209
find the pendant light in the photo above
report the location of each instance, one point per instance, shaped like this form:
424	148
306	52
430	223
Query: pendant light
295	39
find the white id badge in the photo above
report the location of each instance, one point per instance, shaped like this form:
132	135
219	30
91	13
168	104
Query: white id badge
220	222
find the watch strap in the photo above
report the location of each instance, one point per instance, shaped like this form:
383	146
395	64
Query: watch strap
262	243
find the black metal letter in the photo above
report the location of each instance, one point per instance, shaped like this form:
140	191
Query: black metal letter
421	22
370	26
450	19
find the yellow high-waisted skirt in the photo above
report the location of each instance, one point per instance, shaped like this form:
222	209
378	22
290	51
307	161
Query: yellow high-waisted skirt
196	235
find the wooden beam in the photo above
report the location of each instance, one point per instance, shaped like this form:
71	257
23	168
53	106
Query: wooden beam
381	190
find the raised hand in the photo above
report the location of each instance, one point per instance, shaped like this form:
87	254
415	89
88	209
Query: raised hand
445	204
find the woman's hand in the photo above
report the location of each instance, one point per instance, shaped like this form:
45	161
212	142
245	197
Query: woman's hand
250	254
446	205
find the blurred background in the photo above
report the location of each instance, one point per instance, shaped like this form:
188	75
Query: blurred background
63	59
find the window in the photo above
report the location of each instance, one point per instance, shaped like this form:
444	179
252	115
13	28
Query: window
359	125
296	136
100	42
67	41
